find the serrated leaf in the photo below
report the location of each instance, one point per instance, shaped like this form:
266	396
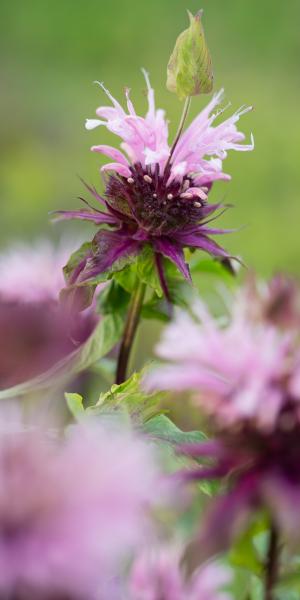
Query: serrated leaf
129	397
79	294
189	70
104	337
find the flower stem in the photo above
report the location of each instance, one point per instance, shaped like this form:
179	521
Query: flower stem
130	328
271	572
179	130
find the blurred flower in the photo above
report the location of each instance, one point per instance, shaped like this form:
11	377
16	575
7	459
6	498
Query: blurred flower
33	272
240	369
37	330
34	337
157	576
157	194
276	301
246	375
71	509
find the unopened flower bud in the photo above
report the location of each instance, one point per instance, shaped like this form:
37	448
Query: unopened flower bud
190	68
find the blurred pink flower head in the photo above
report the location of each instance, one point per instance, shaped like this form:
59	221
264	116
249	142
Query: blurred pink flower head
242	371
246	375
37	329
156	193
71	510
276	301
33	272
157	575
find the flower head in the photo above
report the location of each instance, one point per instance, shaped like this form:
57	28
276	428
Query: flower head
37	329
33	272
246	377
70	509
239	370
155	193
157	575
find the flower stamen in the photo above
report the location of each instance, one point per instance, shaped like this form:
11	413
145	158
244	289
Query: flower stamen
148	179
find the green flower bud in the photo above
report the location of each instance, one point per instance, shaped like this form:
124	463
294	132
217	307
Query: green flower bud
190	66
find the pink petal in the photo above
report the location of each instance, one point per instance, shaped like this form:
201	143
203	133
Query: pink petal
118	167
111	152
93	123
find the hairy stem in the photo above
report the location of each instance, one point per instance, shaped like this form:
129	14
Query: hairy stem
271	573
130	328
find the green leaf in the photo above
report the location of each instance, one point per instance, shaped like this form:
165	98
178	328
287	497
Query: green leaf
147	271
249	551
144	269
73	296
113	299
75	259
75	405
189	70
168	436
210	266
130	398
104	337
161	428
127	278
156	308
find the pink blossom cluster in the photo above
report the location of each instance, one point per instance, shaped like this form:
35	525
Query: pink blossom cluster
71	509
157	575
201	149
243	368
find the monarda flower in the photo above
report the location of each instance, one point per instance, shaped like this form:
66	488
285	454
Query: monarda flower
245	376
155	193
33	272
157	575
71	509
37	330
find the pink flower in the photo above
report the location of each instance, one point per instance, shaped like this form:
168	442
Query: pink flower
71	510
157	575
33	272
238	370
246	375
200	150
37	329
155	193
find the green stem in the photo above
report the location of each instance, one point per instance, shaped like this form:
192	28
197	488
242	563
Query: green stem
130	328
180	129
271	572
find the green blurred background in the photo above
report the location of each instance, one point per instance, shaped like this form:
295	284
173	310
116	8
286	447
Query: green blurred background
52	51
